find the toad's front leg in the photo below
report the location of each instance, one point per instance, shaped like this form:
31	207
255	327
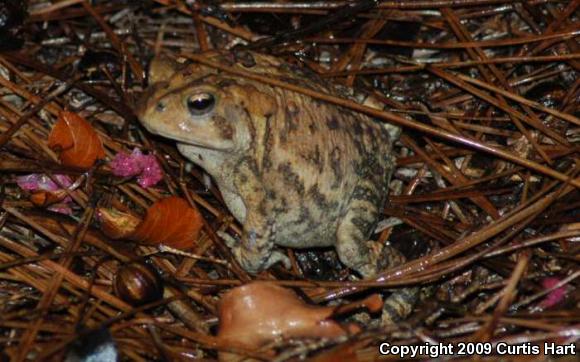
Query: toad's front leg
256	251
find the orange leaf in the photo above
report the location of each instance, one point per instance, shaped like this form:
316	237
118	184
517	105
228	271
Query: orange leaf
76	140
171	222
46	198
117	224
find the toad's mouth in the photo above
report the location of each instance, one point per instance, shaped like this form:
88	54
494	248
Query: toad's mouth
221	145
187	137
220	148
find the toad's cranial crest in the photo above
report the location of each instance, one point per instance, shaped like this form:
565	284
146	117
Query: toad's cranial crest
295	171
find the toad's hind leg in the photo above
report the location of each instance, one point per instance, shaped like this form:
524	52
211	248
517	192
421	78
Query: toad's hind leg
400	302
369	257
353	231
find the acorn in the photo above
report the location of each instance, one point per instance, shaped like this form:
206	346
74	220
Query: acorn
137	284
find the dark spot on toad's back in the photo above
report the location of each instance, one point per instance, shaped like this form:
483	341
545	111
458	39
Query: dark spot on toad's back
365	193
245	58
290	123
335	158
360	147
262	210
319	199
332	123
303	216
224	83
312	127
314	158
270	194
292	109
291	178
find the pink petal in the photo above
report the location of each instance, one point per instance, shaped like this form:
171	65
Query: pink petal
64	180
125	165
38	181
145	167
151	173
555	296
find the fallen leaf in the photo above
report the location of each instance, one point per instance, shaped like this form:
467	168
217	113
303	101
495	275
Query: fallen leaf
170	221
76	140
46	193
47	198
117	224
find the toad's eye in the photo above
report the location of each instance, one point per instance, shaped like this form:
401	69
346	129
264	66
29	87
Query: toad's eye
200	104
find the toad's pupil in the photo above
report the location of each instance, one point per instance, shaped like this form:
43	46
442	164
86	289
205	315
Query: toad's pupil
200	104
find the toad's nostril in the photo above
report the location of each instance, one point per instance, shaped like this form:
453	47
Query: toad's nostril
160	107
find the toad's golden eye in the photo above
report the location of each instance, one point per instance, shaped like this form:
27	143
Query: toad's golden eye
200	104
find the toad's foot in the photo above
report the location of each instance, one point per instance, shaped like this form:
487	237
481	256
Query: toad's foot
230	241
399	306
401	302
254	262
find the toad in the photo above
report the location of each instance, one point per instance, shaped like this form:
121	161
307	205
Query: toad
294	171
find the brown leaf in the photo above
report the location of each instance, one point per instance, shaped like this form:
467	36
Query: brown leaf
76	140
117	224
171	222
46	198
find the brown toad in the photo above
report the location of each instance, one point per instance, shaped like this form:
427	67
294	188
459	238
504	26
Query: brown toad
295	171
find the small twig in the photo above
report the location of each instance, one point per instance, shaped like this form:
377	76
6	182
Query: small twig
168	249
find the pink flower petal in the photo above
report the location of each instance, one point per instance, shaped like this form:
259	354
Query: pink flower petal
64	180
145	167
125	165
151	173
38	181
41	182
555	296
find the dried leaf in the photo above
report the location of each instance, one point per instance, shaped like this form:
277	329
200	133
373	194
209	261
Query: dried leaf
76	140
117	224
171	222
46	193
47	198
